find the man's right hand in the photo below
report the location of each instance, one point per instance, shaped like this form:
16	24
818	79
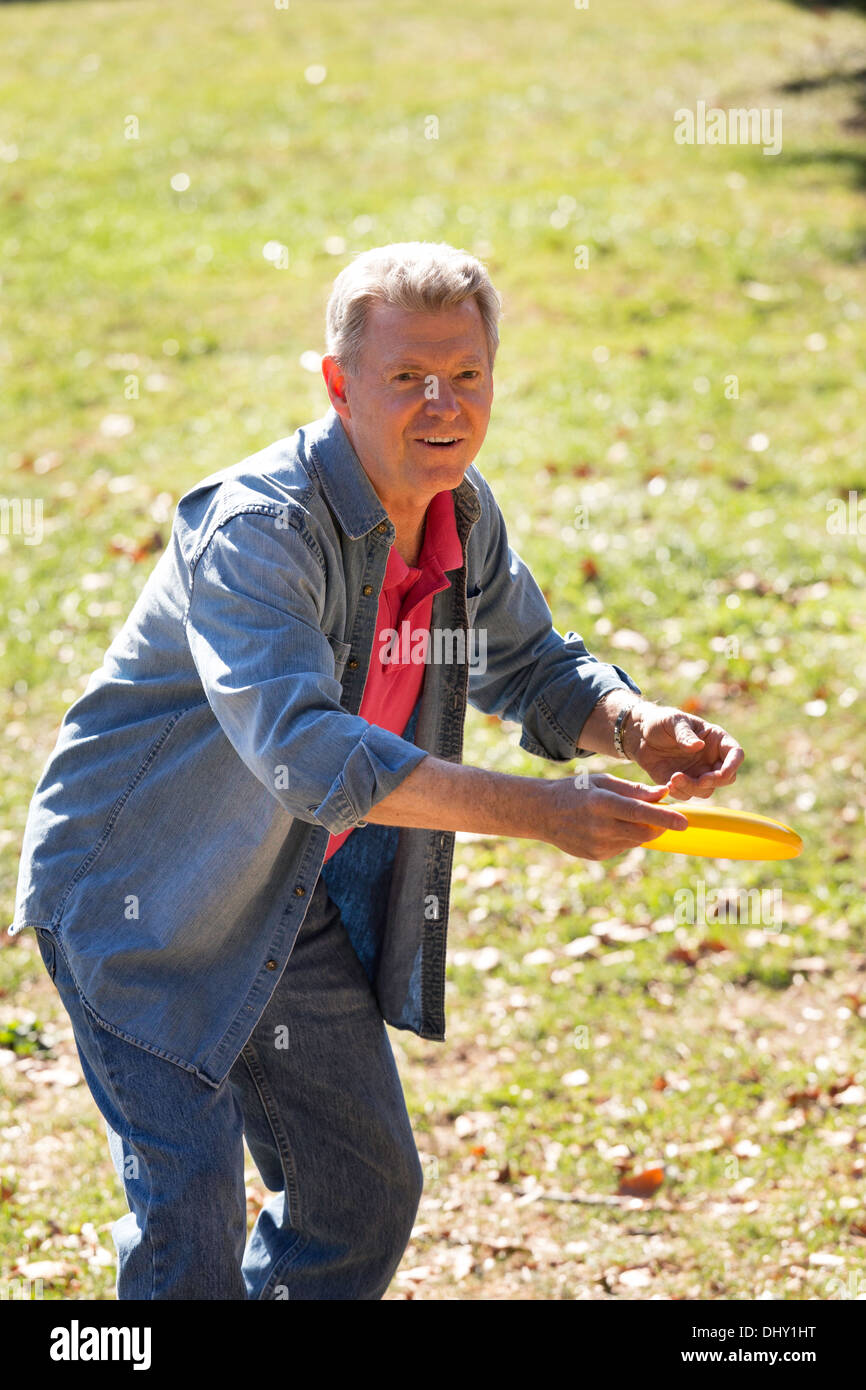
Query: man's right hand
606	817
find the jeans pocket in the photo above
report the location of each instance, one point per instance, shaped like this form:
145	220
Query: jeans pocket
47	950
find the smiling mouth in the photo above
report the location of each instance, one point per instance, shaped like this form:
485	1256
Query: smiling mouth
442	441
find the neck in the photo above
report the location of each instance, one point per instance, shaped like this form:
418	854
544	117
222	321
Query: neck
410	536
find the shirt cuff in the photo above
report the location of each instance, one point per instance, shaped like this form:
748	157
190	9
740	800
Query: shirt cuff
375	767
564	707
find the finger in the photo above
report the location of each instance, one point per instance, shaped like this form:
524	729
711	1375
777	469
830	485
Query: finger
687	779
651	834
702	786
733	759
658	816
682	787
623	787
685	734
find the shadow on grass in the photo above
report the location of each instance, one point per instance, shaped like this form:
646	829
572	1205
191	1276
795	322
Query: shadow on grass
854	78
858	6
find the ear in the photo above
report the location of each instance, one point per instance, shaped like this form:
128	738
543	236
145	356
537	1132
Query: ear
336	385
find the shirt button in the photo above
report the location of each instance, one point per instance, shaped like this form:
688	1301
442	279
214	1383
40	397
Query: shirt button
352	663
367	589
271	964
299	890
383	526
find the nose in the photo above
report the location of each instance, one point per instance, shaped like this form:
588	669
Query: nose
443	404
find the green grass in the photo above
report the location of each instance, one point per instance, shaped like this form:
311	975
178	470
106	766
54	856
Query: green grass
124	297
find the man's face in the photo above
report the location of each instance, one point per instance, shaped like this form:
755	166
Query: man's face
421	376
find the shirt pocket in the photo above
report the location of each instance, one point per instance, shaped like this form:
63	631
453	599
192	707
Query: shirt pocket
341	654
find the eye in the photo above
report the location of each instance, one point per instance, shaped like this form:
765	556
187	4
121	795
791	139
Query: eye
470	371
404	376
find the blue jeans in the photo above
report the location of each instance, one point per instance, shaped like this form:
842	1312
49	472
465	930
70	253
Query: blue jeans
317	1095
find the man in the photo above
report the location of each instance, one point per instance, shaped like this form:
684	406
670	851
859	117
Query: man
238	857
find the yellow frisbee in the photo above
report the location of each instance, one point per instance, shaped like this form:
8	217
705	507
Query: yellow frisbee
717	833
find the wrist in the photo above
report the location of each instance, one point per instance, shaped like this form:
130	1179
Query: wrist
632	732
597	734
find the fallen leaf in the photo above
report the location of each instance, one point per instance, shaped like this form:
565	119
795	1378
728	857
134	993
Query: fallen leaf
53	1076
487	958
417	1274
692	704
46	1269
136	551
575	1078
746	1149
642	1184
852	1095
48	461
812	1093
836	1087
629	641
463	1264
683	955
612	929
581	946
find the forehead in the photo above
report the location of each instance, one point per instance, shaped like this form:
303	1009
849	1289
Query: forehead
391	332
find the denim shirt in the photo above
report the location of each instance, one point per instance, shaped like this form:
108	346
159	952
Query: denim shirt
180	825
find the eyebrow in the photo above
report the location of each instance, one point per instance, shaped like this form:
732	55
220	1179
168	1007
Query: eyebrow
402	363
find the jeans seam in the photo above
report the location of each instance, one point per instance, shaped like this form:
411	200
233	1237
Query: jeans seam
128	1139
283	1263
281	1140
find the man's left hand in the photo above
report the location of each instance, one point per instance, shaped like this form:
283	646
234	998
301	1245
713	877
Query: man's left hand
680	749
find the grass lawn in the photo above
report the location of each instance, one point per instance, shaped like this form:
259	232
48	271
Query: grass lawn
678	408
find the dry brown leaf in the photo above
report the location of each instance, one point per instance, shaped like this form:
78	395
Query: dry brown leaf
807	1097
642	1184
692	704
683	955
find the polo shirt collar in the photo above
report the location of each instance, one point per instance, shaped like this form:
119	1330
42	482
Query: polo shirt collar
440	550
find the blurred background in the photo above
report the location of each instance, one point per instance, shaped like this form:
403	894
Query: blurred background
653	1083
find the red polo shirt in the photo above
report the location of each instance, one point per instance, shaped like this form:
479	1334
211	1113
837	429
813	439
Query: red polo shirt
394	680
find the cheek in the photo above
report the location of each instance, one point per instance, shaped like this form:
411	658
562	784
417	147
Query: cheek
401	414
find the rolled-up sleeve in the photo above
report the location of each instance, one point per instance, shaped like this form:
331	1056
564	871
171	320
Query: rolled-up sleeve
532	674
268	671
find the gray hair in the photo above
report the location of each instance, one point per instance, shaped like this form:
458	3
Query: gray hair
419	276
